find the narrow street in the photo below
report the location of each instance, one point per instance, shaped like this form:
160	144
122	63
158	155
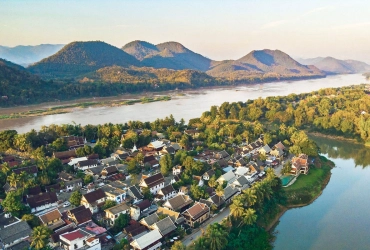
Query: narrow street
218	218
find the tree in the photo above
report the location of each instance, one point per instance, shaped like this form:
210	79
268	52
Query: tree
13	180
75	198
13	204
166	164
123	245
216	236
121	222
88	179
109	204
212	182
178	246
249	216
236	208
31	219
147	194
249	196
40	236
287	168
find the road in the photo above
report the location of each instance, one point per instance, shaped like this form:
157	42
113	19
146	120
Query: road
218	218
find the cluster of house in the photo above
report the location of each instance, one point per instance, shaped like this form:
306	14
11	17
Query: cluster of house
149	224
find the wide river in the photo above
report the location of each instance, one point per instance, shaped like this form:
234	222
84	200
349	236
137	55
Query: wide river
340	217
188	106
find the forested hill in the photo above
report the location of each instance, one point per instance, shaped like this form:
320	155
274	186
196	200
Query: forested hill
263	64
331	65
170	55
81	57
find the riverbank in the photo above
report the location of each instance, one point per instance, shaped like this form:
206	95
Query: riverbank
306	190
334	137
70	107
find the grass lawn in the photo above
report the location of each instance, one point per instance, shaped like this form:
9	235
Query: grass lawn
308	187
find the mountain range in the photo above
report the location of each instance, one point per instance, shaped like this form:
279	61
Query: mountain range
25	55
331	65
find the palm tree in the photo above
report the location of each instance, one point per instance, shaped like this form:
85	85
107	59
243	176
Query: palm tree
250	216
5	168
219	192
216	236
200	244
236	209
250	197
39	237
212	182
13	179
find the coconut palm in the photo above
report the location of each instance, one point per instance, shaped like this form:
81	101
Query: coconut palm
236	208
249	216
212	182
216	237
250	197
219	192
5	168
13	180
39	237
200	244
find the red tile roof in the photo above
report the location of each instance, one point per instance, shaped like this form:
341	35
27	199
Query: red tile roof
73	235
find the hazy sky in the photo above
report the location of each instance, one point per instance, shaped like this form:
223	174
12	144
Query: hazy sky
226	29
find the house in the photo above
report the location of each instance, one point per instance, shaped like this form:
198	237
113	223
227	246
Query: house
65	176
174	179
52	219
164	226
183	190
65	156
108	171
135	193
42	201
149	220
22	245
53	188
264	150
151	161
299	165
176	217
79	239
229	177
74	161
111	214
32	170
115	194
74	142
192	133
86	164
93	200
110	161
79	215
134	230
149	241
8	188
95	172
14	233
32	191
166	193
73	184
54	238
198	213
222	155
154	182
177	170
120	154
137	209
216	200
229	193
241	171
240	183
280	146
198	180
278	153
157	145
208	175
168	150
178	203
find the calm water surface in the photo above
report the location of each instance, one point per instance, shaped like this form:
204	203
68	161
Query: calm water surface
192	105
340	217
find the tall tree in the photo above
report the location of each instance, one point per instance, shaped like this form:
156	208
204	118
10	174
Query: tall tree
40	236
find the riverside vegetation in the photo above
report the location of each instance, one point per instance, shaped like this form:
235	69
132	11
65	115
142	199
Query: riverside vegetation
336	110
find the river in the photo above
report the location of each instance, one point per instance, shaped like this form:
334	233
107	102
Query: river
340	217
188	106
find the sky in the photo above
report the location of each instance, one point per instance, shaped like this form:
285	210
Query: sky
218	29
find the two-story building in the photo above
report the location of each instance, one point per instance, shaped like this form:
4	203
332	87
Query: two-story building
79	239
148	241
135	194
111	214
86	164
73	184
79	215
93	200
166	193
198	213
115	194
42	201
178	203
154	183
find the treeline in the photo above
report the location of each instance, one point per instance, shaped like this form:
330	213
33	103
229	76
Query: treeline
340	111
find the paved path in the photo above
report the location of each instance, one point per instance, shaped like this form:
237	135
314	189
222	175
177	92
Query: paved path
197	232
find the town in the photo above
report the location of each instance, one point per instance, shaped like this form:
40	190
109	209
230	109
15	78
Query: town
149	196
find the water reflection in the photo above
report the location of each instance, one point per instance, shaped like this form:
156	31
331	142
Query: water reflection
340	149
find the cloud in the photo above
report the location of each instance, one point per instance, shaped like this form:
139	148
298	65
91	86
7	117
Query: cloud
353	25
